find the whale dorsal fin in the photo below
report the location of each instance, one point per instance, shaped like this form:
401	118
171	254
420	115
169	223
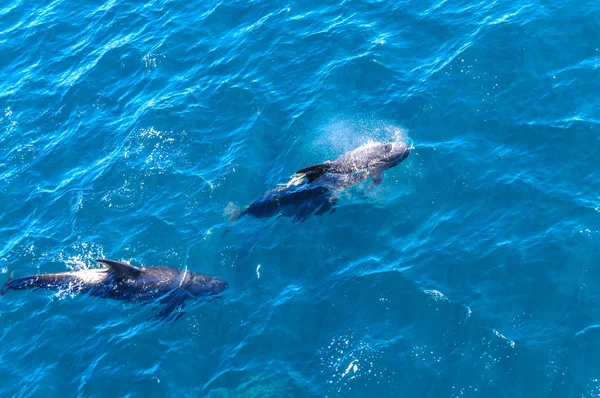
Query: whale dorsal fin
121	269
315	171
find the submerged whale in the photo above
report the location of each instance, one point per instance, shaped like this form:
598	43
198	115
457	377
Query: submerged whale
312	189
122	281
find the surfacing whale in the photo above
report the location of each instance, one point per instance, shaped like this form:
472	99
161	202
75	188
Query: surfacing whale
121	281
312	189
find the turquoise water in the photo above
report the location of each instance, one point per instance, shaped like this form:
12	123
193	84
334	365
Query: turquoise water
126	128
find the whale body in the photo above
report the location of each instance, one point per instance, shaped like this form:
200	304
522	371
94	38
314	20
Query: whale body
311	190
122	281
372	158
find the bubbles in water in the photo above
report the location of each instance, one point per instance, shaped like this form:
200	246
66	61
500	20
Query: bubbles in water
506	339
151	61
159	144
436	295
7	125
424	354
346	361
156	149
588	232
81	255
343	135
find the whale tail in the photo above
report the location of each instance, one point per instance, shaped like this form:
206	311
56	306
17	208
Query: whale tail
232	212
6	286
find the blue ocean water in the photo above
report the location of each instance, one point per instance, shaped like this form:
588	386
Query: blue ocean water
126	128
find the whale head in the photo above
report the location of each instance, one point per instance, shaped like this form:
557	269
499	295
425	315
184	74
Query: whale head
205	285
379	155
394	153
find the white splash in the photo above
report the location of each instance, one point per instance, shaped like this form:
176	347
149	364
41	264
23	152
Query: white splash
436	295
345	134
90	276
352	366
509	341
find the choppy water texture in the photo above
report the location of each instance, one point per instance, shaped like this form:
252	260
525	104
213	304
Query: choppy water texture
126	127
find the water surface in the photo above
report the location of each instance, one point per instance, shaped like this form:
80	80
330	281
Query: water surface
126	127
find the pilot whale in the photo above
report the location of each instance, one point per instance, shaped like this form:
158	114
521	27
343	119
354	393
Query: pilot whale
311	190
372	158
122	281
